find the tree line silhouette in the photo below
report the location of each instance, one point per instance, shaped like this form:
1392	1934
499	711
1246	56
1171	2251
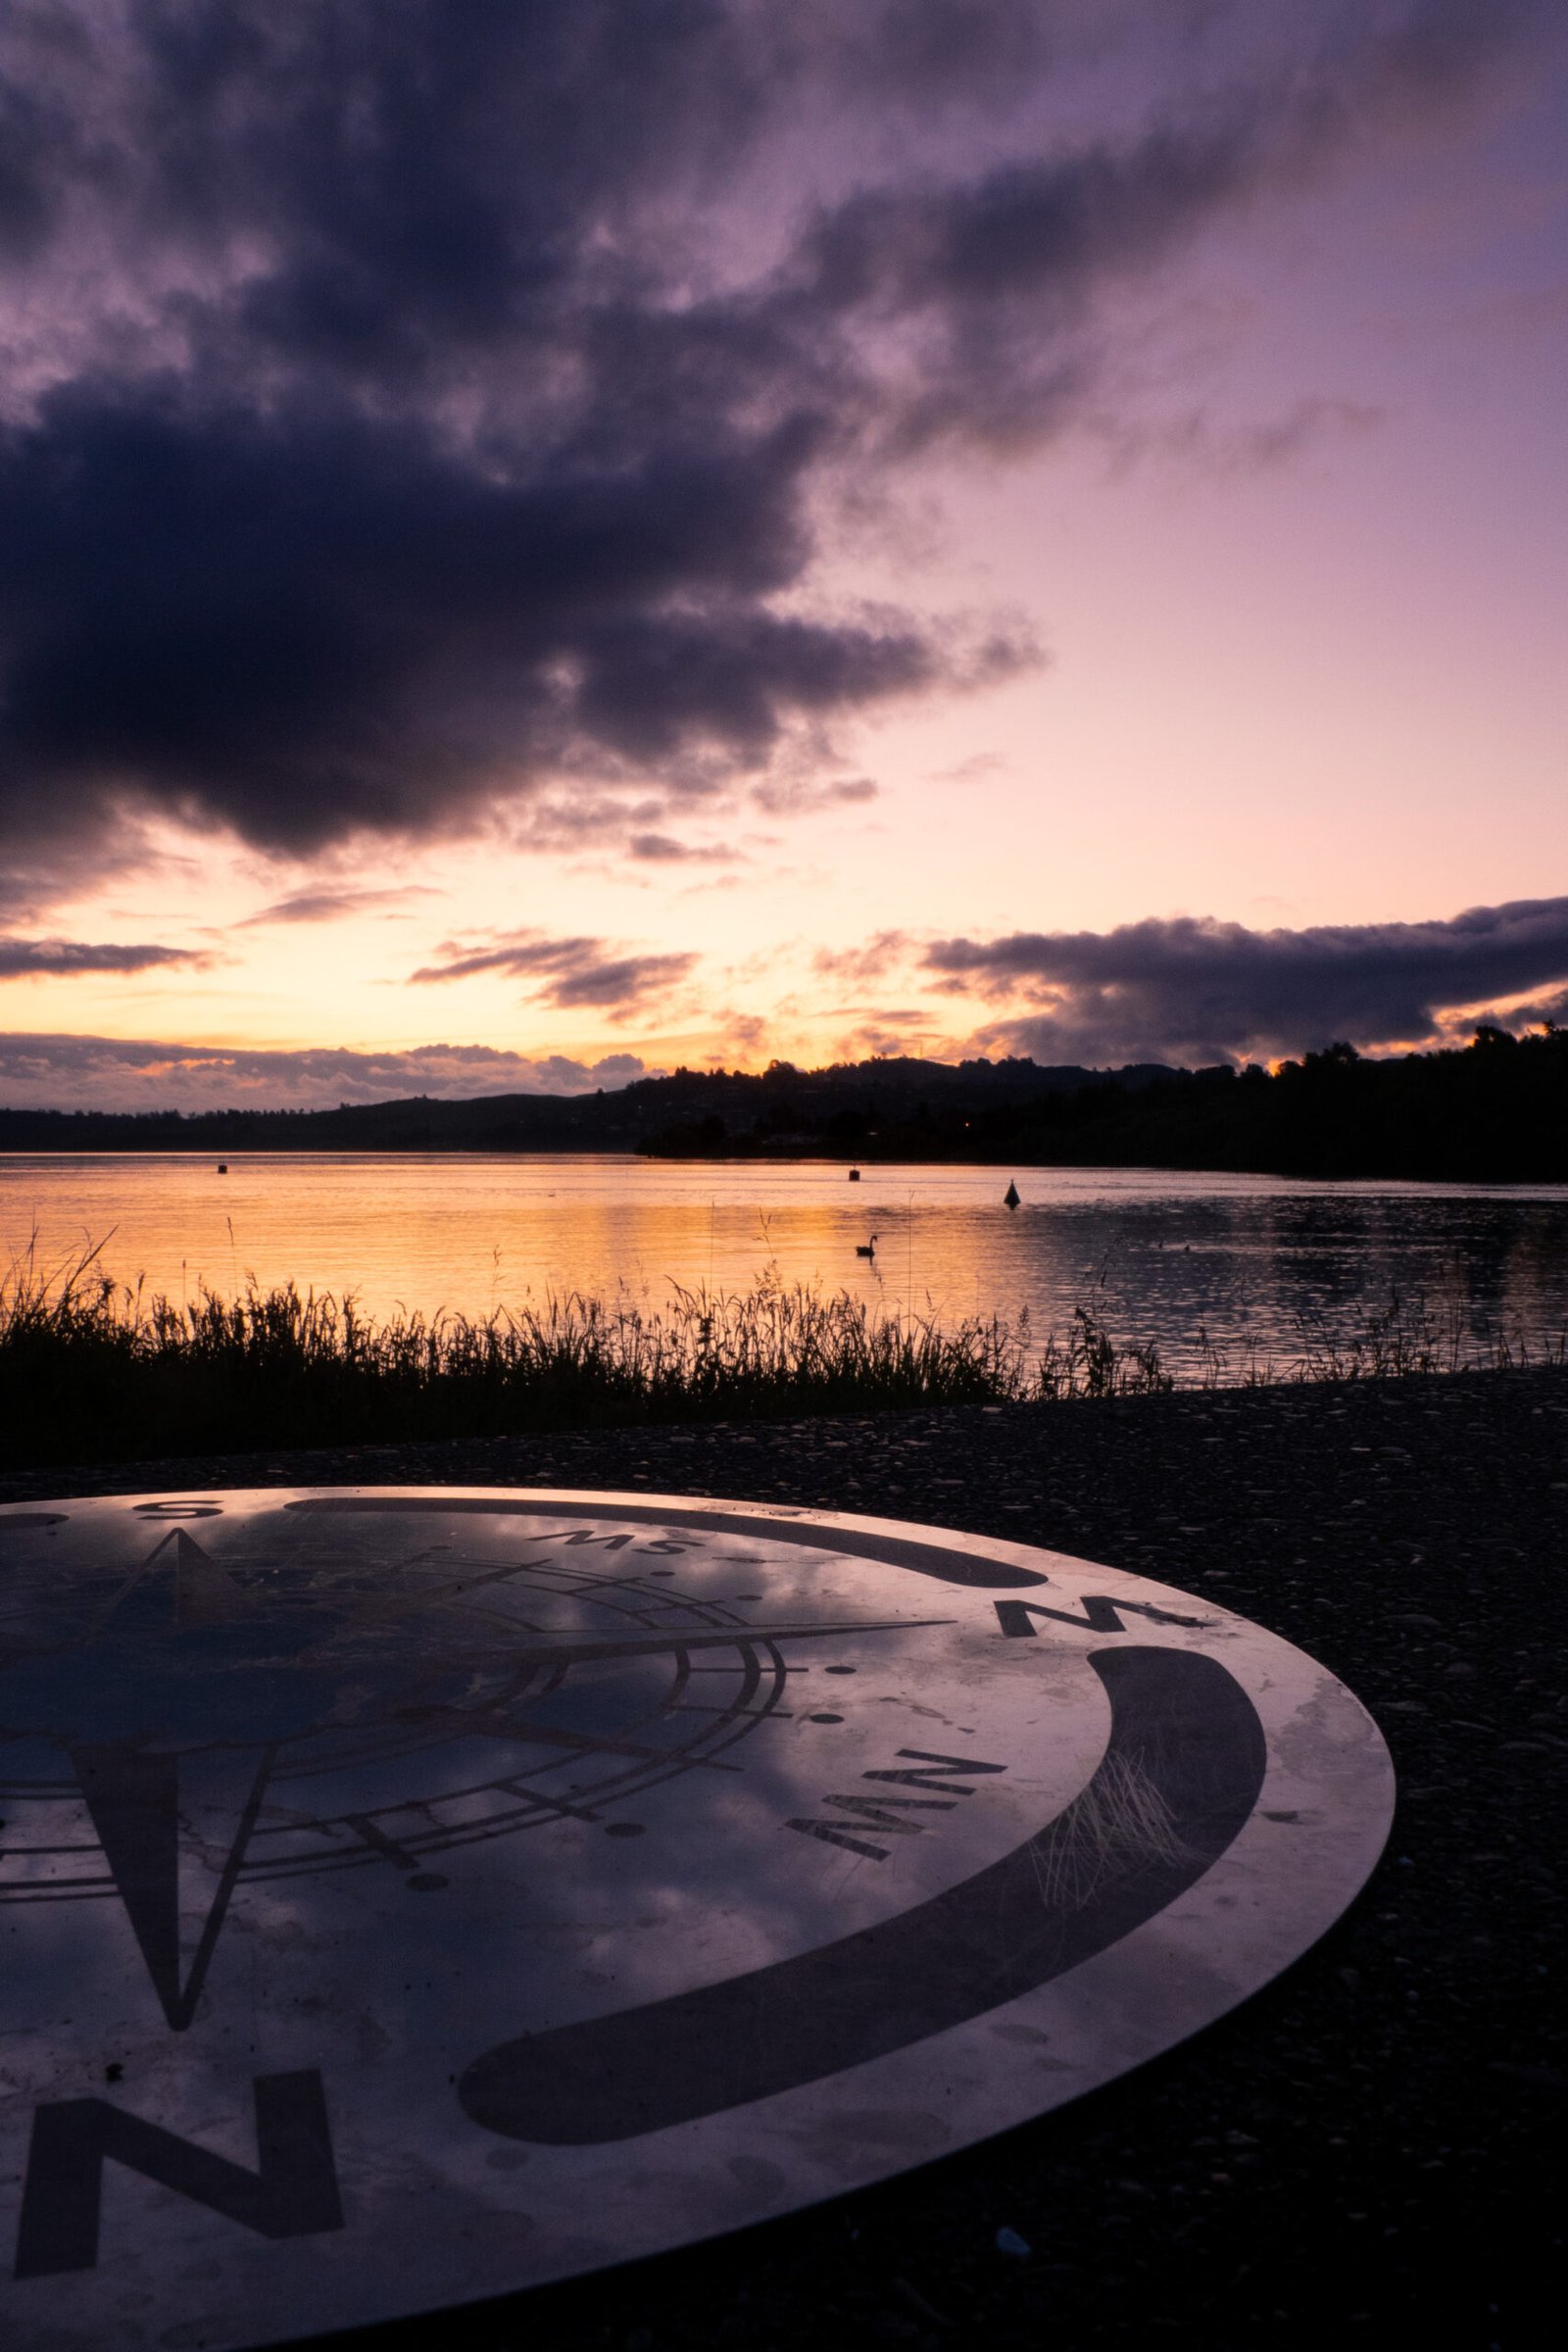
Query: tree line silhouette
1495	1110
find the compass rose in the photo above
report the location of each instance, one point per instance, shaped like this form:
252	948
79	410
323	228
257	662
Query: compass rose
175	1695
407	1895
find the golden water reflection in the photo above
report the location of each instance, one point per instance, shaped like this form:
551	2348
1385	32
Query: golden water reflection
1161	1256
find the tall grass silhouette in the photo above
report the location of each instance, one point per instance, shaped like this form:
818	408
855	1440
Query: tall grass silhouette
91	1369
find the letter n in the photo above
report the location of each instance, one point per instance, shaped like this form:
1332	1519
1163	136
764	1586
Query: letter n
1098	1616
292	2192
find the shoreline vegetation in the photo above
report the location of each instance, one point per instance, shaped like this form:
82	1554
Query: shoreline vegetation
91	1370
1495	1111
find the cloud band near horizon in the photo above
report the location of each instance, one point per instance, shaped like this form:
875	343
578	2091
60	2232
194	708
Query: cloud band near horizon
1194	990
46	1071
1180	990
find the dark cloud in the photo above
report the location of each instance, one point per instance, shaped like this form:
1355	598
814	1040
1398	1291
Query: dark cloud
1200	991
589	821
567	972
1198	444
1549	1011
110	1073
328	905
793	795
857	967
34	958
415	406
889	1031
306	624
662	849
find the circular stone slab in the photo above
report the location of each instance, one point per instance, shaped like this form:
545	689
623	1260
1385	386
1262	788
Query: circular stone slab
407	1895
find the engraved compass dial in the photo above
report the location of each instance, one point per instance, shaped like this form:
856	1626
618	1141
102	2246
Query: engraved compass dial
408	1894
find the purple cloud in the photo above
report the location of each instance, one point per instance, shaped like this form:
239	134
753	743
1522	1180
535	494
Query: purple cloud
567	972
412	407
103	1073
1195	990
61	958
327	906
662	849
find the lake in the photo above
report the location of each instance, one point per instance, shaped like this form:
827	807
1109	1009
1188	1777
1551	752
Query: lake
1161	1255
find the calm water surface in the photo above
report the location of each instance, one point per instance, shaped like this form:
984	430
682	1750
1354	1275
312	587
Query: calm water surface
1162	1256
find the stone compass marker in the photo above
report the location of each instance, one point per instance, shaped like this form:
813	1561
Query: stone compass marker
412	1895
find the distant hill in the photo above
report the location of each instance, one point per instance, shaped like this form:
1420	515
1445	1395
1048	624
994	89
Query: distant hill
1496	1110
782	1109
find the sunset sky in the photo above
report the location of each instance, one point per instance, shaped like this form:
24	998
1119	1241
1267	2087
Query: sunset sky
543	542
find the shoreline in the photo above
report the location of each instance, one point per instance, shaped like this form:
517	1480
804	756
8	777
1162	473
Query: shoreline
1361	2147
1263	1170
507	1458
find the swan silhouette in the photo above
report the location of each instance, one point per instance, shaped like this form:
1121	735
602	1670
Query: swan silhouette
866	1248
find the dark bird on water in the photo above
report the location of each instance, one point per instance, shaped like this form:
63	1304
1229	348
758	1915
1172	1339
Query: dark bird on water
866	1248
1009	1199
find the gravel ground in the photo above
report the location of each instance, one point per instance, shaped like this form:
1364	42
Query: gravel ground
1367	2144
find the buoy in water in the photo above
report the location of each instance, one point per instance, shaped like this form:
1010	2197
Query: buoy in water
855	1175
223	1167
1009	1199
